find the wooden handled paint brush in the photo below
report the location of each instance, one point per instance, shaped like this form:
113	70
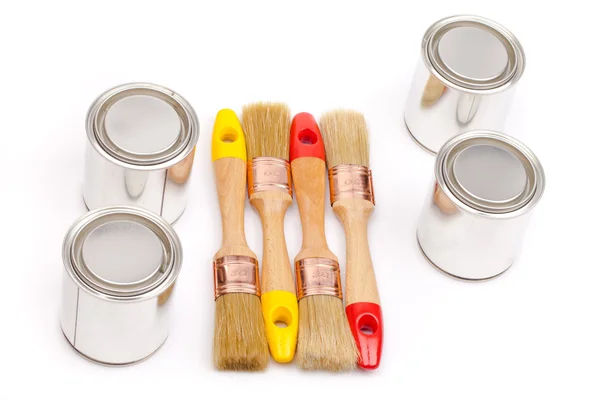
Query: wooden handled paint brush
325	341
267	127
239	339
351	191
434	89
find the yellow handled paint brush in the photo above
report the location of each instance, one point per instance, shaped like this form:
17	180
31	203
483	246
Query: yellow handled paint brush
267	127
239	338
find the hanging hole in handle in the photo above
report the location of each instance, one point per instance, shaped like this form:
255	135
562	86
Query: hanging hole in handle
281	317
368	324
306	136
366	330
228	136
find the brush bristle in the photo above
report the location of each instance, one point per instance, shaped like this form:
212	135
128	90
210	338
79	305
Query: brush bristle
325	341
346	138
240	342
267	130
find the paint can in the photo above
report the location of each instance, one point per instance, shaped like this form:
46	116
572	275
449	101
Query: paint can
478	208
465	80
140	151
121	264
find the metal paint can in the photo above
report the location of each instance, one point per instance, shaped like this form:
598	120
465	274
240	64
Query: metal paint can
464	81
140	152
478	208
121	264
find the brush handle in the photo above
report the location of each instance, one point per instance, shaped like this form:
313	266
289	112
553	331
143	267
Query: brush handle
180	172
230	177
362	297
309	177
361	285
279	302
276	268
434	89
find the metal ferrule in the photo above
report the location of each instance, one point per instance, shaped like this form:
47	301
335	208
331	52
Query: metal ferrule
269	174
350	181
318	276
236	274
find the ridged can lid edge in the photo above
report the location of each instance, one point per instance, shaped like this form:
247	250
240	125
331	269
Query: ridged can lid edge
467	87
468	206
129	160
74	272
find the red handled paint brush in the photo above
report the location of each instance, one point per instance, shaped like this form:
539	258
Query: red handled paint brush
324	338
347	147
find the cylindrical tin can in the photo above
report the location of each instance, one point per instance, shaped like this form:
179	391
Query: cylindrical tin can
121	264
140	152
464	81
475	216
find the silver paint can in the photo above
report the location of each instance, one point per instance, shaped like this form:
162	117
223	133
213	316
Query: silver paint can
140	151
121	264
464	81
478	208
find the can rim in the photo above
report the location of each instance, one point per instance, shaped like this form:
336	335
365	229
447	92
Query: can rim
167	236
436	67
528	202
161	160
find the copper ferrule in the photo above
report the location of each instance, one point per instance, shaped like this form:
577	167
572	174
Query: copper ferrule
318	276
350	181
269	173
236	274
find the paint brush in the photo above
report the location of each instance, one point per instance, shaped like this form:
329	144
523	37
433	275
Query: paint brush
325	341
239	338
351	194
267	127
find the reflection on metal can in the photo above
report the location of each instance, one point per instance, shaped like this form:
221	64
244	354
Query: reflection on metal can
141	146
464	81
475	216
121	264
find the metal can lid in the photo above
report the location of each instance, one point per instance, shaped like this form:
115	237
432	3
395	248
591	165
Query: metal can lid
142	125
473	53
490	172
122	253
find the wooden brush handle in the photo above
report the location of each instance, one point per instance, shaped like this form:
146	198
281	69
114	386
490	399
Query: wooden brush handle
362	298
308	176
361	285
230	176
276	268
434	89
180	172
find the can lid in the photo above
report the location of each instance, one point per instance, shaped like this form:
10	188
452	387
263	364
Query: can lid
473	53
142	124
122	252
490	172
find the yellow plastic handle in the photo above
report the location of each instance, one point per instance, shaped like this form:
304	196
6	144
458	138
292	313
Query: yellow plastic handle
228	137
280	306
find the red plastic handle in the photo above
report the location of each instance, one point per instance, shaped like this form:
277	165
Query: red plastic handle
305	138
366	323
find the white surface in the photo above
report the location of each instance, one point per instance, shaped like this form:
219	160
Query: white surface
533	333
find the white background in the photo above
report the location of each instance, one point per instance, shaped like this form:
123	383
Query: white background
532	333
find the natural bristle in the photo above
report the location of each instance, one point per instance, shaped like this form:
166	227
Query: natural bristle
346	138
325	341
267	130
240	342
